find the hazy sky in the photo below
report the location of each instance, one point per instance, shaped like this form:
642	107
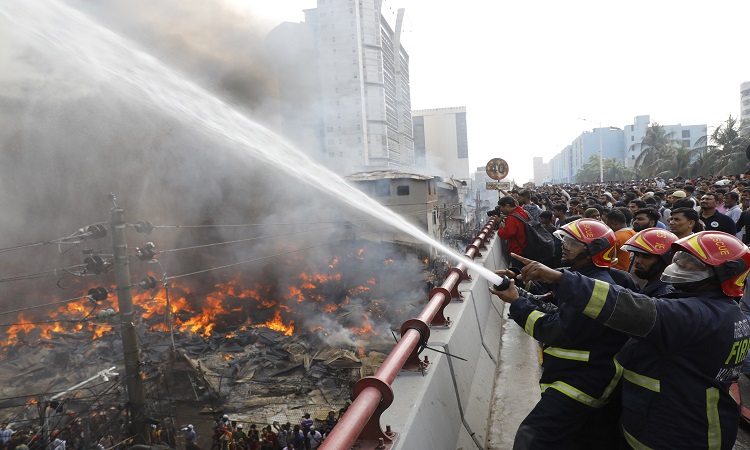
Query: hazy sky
526	71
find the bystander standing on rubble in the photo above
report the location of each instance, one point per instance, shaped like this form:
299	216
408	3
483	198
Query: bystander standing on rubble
314	437
5	433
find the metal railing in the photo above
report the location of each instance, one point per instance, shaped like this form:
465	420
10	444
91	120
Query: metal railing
373	395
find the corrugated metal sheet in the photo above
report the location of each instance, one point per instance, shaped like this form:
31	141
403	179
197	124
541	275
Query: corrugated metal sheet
382	174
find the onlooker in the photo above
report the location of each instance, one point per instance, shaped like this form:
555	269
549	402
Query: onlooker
684	222
713	219
733	209
645	218
616	221
514	231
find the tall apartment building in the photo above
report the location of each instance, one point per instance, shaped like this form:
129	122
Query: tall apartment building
541	171
441	143
620	144
355	108
745	106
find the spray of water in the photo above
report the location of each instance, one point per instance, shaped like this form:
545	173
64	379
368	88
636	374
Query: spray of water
100	52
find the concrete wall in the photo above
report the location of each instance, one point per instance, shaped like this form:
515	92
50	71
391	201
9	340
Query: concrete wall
449	406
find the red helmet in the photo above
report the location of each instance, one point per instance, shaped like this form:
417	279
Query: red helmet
654	241
598	238
728	256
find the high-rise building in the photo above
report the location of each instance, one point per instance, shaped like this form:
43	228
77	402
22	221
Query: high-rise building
441	143
745	107
541	171
353	82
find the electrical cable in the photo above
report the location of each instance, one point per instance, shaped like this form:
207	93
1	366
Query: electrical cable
249	225
241	240
53	272
250	260
2	313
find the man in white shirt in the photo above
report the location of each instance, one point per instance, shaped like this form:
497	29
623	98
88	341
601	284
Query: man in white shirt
315	438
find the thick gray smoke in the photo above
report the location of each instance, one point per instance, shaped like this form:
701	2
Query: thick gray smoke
66	141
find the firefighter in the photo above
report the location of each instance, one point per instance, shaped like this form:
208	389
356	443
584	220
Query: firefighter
687	346
652	251
577	409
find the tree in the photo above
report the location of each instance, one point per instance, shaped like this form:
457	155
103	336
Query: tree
613	170
723	153
658	150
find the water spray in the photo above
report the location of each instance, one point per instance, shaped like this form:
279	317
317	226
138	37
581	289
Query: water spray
100	52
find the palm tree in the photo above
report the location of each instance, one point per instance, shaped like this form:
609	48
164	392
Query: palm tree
612	169
724	152
657	151
589	171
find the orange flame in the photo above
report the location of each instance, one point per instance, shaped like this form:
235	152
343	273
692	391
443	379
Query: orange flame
277	325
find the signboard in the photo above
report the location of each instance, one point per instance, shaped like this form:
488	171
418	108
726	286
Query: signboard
496	168
497	185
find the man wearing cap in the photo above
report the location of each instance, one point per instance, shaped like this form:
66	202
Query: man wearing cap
314	437
240	438
190	435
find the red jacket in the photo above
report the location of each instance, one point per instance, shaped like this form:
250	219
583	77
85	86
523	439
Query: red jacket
514	231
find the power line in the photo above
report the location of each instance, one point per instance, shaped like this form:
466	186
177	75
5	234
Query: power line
250	225
42	306
250	260
242	240
47	273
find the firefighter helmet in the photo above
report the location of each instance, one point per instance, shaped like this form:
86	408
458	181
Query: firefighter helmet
728	256
598	238
654	241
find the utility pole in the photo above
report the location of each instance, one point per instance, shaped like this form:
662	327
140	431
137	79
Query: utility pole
133	377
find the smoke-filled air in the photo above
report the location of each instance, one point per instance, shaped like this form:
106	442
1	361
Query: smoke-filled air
168	105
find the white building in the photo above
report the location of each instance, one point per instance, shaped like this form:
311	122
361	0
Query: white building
354	89
686	135
620	144
441	144
541	171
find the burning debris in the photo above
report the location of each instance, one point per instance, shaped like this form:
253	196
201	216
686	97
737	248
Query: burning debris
298	336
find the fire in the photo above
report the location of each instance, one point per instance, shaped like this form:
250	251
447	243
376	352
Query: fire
277	325
227	306
366	329
359	290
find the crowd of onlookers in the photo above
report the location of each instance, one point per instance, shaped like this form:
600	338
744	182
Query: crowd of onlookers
681	205
227	434
231	435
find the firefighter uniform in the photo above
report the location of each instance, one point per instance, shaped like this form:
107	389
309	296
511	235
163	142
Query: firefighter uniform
686	351
579	406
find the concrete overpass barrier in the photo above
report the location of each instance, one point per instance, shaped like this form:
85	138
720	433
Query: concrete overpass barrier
449	406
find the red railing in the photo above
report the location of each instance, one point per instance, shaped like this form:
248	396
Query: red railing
373	395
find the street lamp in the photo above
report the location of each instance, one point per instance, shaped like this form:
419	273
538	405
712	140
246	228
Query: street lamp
601	160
